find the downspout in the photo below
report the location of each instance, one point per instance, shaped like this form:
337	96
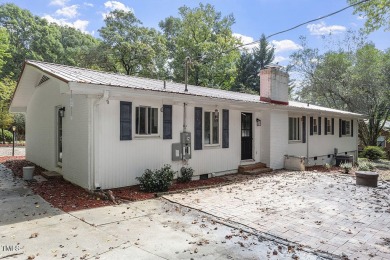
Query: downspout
94	139
185	118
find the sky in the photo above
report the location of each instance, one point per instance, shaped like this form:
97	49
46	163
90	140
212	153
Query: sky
252	18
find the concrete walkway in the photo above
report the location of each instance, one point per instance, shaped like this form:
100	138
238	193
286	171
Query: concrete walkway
325	212
153	229
7	151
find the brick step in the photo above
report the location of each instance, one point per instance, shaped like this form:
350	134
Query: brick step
51	175
257	171
249	167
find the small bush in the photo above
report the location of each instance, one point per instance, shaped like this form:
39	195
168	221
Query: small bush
327	166
373	152
8	136
365	166
157	180
186	174
346	167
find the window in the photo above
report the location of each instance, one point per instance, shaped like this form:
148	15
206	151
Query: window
146	120
315	126
381	141
293	129
211	127
345	127
328	126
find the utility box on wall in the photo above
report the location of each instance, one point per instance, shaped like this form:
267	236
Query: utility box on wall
185	139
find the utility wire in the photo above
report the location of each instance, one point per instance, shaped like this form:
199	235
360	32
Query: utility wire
299	25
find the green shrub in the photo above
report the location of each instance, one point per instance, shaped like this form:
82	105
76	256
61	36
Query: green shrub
186	174
157	180
8	136
373	152
365	166
327	166
346	167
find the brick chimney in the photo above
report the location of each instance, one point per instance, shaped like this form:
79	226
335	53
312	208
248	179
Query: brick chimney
274	85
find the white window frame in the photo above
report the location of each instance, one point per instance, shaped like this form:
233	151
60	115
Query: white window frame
315	125
212	113
147	121
343	131
329	126
297	129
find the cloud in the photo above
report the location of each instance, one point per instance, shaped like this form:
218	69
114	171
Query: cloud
245	40
323	29
78	24
68	11
115	5
279	59
88	4
58	2
285	45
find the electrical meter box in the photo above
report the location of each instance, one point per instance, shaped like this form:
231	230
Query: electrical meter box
177	152
185	140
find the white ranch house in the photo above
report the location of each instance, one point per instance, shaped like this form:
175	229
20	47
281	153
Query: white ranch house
103	130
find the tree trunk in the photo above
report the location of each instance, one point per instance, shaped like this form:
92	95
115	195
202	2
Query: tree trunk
2	134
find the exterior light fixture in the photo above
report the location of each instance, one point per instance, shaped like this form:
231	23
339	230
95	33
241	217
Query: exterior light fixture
258	122
216	114
61	112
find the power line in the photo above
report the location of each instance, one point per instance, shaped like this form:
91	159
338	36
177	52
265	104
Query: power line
299	25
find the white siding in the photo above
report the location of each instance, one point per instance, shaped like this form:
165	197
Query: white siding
41	136
321	146
40	125
278	138
120	162
75	140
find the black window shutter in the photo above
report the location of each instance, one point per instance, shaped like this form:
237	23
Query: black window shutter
304	129
198	128
167	121
352	127
311	125
332	126
326	126
125	120
225	128
319	125
340	127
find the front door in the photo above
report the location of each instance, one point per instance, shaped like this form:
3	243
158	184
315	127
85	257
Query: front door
246	136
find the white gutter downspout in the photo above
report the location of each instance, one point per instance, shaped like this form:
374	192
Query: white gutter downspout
185	118
94	140
307	138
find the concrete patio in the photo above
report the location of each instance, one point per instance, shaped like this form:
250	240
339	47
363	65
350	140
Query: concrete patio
326	212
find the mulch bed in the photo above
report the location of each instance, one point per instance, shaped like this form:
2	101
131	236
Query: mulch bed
8	158
70	197
321	168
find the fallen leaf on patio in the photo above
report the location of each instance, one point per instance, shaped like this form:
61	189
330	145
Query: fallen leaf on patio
34	235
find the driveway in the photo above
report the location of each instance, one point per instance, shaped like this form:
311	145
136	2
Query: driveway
7	151
153	229
325	212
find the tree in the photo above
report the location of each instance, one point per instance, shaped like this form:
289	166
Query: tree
376	13
7	87
250	64
4	46
203	35
131	48
355	81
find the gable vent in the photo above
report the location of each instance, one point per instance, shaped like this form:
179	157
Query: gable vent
43	79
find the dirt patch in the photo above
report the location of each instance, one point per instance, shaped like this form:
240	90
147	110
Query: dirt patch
321	168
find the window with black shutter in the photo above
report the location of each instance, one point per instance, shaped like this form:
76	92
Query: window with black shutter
125	120
225	128
167	121
311	125
319	125
304	129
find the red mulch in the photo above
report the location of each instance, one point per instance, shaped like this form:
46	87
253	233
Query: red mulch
11	158
70	197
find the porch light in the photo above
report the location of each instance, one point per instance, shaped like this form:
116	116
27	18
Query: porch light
258	122
216	114
61	112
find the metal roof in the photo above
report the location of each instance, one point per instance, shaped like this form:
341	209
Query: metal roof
80	75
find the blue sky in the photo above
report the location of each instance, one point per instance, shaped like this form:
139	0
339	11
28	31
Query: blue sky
253	17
